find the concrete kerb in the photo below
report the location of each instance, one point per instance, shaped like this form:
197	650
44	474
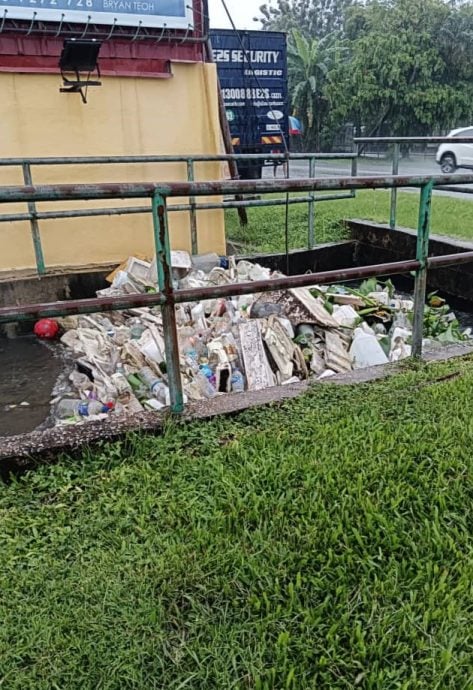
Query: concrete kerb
23	452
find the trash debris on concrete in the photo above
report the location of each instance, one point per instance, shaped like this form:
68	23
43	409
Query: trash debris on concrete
248	342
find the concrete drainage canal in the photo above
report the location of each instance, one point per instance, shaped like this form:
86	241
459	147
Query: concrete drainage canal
106	374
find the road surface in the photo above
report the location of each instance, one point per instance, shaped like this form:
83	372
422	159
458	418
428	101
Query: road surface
367	166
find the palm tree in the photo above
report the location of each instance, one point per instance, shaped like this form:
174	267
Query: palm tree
310	62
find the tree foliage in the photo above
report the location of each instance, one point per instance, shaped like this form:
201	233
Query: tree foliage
311	65
312	18
400	67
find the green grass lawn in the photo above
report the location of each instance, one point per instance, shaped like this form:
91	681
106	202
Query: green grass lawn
322	543
265	231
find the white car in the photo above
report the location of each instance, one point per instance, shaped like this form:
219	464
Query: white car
451	156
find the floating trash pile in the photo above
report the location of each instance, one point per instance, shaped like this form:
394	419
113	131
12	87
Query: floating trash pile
230	345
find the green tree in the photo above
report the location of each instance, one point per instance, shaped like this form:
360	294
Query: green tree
312	18
409	72
311	63
403	77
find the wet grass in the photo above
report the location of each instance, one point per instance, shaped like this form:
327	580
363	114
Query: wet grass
326	542
265	232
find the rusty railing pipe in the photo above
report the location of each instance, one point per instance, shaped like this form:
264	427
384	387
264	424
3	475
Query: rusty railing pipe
104	304
139	190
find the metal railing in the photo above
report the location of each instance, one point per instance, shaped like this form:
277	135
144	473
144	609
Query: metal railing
396	142
168	297
34	216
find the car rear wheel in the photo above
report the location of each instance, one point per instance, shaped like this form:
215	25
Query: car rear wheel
448	164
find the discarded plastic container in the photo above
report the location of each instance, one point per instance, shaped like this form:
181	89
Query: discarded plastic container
238	381
157	387
147	375
204	385
400	320
205	262
243	270
287	325
151	350
399	350
198	316
326	374
261	310
366	351
153	404
69	407
345	316
81	382
136	329
208	373
381	297
121	384
306	330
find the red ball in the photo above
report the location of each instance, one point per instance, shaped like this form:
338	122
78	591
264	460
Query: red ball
46	328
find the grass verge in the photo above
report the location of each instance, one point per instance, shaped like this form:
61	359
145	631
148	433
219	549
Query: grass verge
325	542
265	231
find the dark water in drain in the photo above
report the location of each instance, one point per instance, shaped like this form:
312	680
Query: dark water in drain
28	372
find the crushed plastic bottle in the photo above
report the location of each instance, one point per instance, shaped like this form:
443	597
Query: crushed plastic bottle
238	381
208	372
70	407
121	384
136	329
204	385
158	388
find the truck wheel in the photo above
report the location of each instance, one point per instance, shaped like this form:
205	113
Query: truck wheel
250	171
448	164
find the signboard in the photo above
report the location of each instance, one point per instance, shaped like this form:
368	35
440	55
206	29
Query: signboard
174	14
252	70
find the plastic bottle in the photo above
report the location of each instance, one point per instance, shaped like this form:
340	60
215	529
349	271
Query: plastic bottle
188	348
205	387
136	329
108	327
147	375
158	388
203	383
70	407
205	262
198	316
121	384
208	373
238	381
366	350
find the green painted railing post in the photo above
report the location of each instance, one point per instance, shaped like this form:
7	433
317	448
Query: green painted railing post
38	249
422	253
192	211
311	235
354	170
393	210
163	261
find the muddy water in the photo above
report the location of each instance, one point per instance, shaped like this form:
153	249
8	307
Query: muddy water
28	372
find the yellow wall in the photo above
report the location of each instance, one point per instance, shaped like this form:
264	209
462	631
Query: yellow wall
125	116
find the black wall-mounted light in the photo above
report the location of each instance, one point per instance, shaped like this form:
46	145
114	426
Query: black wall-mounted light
79	55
